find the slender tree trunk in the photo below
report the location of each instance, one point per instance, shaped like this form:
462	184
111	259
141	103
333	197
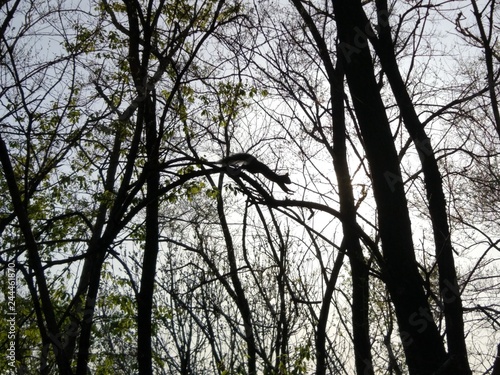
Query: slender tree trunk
423	346
321	331
448	285
489	59
100	242
96	259
151	246
239	293
89	262
352	247
138	59
359	269
35	263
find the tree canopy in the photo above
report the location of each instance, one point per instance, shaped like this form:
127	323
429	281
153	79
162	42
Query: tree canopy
127	247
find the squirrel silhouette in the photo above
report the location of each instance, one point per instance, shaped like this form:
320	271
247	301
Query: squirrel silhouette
253	165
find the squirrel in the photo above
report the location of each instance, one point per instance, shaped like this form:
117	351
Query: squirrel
253	165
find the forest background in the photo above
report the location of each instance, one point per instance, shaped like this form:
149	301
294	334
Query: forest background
126	249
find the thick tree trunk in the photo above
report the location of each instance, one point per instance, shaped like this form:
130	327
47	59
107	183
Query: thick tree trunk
448	284
423	346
